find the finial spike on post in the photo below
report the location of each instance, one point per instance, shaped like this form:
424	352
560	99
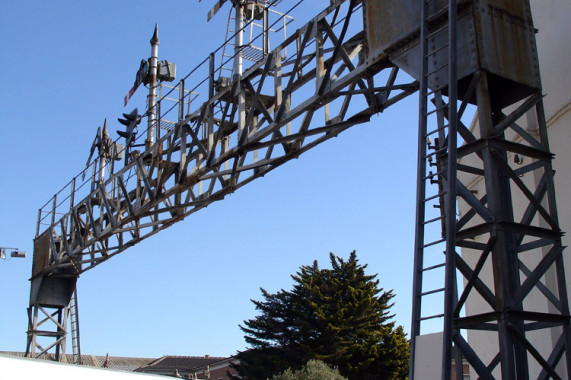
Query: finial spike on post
155	38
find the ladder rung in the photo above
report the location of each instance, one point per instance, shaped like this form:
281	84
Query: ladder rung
431	317
436	70
434	267
436	130
436	109
435	32
441	150
434	219
434	243
435	196
432	292
430	93
437	50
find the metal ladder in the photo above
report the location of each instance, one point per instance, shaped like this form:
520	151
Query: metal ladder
434	279
226	62
74	320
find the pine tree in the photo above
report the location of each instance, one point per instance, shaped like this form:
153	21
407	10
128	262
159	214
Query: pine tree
339	316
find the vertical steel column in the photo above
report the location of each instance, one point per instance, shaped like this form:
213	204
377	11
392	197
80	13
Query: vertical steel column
438	189
32	327
54	207
102	154
63	314
450	196
420	190
71	204
266	35
181	100
211	82
153	64
506	273
241	96
39	222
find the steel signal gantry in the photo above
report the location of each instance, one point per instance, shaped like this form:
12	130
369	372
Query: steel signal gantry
322	80
238	134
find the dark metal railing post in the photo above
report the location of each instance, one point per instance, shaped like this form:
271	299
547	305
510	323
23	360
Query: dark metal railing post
39	222
181	100
54	206
211	84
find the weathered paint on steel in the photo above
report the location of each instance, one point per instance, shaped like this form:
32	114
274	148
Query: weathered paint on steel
507	42
41	252
390	23
494	35
56	291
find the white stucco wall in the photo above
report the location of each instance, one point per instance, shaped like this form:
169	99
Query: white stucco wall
551	17
428	358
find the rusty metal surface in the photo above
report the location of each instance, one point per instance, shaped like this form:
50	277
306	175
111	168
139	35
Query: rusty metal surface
494	35
388	23
468	62
507	41
52	291
41	252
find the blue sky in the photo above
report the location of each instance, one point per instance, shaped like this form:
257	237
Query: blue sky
66	67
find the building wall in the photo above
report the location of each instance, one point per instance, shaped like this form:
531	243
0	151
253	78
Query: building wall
554	47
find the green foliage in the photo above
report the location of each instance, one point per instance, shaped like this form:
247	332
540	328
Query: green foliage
339	316
313	370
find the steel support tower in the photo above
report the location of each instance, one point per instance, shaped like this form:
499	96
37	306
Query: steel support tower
353	60
497	254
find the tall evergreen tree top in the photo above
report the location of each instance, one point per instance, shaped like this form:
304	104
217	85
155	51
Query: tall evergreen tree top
339	315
